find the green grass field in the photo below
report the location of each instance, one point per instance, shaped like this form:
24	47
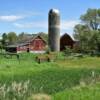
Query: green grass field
56	79
91	92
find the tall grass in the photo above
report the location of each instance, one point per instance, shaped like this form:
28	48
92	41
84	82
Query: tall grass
90	92
48	77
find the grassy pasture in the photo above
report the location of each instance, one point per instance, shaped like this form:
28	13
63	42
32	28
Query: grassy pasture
49	77
91	92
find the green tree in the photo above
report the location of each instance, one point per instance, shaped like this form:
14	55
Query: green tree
12	37
4	39
24	36
83	34
92	18
95	40
88	32
1	44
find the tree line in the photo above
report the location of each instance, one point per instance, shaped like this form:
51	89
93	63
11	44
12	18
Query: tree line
88	31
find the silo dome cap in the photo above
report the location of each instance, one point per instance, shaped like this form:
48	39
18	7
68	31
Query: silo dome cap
54	11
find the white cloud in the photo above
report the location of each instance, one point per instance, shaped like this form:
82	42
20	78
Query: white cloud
65	25
0	37
68	24
40	24
10	18
24	14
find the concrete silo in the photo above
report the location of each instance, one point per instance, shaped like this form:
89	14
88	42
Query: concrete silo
54	30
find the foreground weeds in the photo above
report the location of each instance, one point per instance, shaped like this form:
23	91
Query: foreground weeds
15	91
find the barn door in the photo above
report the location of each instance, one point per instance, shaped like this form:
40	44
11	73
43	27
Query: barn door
37	45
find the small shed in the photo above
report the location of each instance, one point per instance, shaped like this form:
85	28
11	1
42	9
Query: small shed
66	41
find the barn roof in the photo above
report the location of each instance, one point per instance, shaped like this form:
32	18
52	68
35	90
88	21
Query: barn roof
17	45
36	37
25	42
67	35
71	37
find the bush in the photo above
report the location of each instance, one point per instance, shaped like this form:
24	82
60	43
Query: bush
67	51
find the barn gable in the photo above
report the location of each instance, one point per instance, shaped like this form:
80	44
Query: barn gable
66	40
37	38
37	44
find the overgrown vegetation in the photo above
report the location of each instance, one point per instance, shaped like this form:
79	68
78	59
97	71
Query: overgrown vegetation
45	78
90	92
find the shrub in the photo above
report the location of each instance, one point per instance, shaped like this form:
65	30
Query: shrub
67	51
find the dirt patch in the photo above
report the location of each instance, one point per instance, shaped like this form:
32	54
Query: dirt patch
40	97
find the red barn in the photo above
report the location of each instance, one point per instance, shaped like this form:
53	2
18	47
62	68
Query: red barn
35	45
66	40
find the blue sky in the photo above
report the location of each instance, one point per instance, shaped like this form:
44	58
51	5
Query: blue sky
32	15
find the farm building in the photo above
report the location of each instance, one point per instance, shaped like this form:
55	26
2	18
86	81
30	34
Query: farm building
66	41
36	45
